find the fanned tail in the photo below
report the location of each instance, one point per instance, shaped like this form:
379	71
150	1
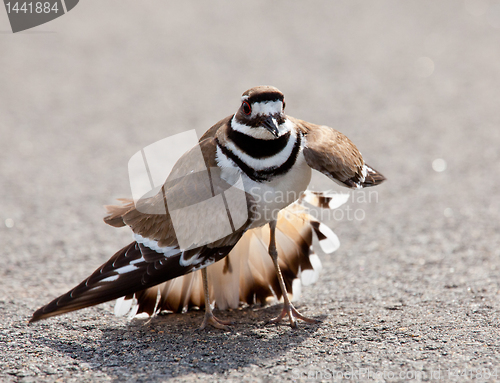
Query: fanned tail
247	274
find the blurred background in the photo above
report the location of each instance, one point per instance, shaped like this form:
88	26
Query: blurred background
414	84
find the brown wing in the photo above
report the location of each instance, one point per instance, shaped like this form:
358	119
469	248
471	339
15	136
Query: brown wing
142	218
333	154
210	133
194	181
159	257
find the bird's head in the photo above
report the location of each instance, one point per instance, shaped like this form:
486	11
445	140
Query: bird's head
262	110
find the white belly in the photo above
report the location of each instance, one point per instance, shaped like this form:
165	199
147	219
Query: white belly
272	196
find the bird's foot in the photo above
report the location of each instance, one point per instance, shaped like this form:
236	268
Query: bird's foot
293	315
210	319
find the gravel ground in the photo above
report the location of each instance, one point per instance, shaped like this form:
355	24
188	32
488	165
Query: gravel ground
412	293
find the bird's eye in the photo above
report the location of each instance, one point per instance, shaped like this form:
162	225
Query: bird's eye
284	104
247	109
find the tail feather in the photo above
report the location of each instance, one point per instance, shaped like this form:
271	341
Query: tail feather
115	213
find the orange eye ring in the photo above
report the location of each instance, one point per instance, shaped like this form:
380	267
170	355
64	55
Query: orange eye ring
247	109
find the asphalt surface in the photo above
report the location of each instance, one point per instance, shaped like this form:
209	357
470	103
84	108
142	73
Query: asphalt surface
412	293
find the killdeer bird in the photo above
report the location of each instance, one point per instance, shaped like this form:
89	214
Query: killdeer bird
259	153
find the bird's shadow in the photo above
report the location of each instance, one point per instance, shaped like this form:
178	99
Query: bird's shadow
171	346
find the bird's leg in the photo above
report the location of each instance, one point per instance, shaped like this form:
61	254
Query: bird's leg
288	308
209	316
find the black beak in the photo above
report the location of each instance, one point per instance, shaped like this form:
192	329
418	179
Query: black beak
269	124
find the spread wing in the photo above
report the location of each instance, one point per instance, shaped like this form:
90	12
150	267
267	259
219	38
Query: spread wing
132	269
333	154
194	220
